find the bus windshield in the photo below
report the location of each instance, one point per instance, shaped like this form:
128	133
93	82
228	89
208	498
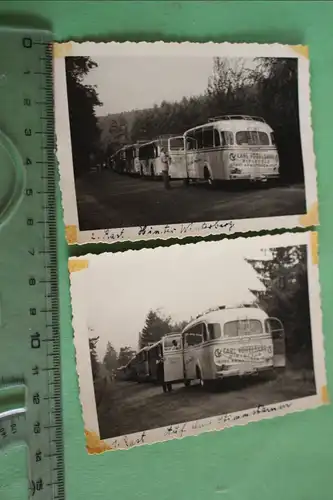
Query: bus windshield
176	144
243	327
252	138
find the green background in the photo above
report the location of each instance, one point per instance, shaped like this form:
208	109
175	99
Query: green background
289	457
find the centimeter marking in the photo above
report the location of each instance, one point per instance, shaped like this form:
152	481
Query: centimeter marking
40	423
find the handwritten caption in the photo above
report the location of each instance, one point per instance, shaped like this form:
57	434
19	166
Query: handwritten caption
167	229
216	423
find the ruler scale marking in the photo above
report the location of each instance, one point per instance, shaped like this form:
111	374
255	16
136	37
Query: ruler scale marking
39	422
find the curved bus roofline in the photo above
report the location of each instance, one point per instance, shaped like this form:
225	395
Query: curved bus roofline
236	117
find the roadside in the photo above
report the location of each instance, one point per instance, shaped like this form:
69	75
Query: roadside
108	200
129	407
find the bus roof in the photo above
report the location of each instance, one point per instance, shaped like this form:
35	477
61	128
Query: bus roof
234	123
229	314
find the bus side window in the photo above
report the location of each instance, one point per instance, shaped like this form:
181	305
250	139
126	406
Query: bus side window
198	138
217	141
214	330
204	332
207	138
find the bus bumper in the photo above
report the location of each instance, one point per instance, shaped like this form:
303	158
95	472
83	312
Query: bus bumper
242	371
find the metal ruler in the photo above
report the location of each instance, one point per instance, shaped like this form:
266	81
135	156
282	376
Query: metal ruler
30	377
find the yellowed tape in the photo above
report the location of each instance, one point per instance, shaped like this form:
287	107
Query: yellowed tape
311	218
324	394
71	234
314	247
301	50
94	444
62	50
75	265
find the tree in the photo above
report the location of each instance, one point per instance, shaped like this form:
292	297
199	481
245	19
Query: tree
125	355
156	326
82	100
93	357
110	358
286	297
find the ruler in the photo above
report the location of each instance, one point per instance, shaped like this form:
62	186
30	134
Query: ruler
30	377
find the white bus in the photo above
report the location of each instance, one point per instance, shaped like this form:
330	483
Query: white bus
173	362
230	341
231	148
151	164
167	355
176	157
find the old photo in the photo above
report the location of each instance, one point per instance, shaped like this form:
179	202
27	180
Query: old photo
159	140
172	342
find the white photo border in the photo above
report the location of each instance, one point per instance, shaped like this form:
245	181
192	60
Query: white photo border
64	152
87	397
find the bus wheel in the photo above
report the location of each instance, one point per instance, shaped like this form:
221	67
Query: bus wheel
141	173
199	377
152	173
187	383
186	182
208	178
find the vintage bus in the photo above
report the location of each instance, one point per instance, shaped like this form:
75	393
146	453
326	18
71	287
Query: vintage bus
169	351
173	362
155	354
151	164
141	365
231	148
176	157
231	341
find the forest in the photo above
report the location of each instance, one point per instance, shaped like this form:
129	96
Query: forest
269	90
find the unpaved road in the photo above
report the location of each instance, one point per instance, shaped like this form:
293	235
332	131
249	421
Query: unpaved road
129	407
109	200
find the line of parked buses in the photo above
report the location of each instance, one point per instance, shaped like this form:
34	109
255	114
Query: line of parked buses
228	341
226	148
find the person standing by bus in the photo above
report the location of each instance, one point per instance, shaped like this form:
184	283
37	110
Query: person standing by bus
165	168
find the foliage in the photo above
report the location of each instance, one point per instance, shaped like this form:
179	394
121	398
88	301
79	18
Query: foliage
156	326
286	297
154	329
82	101
93	357
110	358
269	89
125	355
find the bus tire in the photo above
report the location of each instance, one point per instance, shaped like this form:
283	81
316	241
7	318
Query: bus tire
186	182
152	172
187	383
199	377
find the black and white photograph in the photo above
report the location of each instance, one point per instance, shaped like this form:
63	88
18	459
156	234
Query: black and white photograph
172	342
172	140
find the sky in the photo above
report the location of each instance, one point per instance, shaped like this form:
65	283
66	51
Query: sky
127	83
117	290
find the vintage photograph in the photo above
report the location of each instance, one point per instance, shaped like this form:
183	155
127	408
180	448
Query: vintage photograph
183	139
197	337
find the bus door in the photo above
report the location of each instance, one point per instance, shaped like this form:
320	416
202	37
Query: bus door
192	341
192	155
177	162
275	327
173	358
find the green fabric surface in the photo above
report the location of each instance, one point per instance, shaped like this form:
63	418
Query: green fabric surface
289	457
